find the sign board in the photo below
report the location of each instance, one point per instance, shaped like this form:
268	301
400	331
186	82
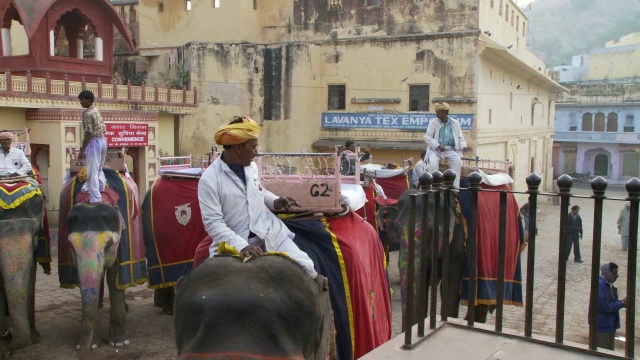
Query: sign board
126	135
405	121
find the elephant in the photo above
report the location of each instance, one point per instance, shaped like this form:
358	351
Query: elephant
264	308
19	229
94	234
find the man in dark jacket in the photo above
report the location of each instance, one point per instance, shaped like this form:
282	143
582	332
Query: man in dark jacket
608	306
574	234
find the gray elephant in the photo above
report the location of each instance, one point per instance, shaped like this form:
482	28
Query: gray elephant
264	308
94	234
19	227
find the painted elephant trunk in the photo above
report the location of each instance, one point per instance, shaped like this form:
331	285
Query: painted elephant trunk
90	281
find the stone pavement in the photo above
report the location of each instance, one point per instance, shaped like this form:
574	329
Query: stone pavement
151	332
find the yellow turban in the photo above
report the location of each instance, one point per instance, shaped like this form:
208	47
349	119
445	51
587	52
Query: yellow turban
442	106
238	133
6	135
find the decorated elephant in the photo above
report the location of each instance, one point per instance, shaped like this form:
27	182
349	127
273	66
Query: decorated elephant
267	307
95	239
21	219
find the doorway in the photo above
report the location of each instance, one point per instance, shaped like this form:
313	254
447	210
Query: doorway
601	165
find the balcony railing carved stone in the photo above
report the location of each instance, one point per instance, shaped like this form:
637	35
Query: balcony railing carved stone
112	92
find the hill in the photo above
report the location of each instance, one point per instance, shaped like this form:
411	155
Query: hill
563	28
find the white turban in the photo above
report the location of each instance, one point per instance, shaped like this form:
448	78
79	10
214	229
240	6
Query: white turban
442	106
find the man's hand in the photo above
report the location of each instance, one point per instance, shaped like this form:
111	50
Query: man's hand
251	250
82	155
467	148
284	203
624	301
441	148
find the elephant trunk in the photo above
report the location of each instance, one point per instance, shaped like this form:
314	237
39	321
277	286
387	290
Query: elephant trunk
90	282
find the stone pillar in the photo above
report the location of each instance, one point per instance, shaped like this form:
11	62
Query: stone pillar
80	48
99	49
52	43
6	41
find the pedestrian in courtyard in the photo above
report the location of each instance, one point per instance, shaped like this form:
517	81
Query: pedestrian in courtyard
574	234
623	226
94	147
608	306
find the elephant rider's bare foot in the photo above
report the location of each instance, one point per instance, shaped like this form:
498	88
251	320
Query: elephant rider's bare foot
93	347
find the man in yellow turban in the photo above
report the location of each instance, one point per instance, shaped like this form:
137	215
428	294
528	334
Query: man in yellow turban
444	141
236	208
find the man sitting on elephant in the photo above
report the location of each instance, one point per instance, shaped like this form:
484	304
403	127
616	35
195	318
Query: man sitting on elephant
236	208
13	162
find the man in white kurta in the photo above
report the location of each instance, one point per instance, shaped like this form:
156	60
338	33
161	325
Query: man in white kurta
236	208
13	162
444	141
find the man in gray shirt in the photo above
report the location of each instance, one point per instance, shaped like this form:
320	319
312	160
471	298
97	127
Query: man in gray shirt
623	226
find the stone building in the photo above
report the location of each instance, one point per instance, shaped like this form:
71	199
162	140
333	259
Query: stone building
52	50
318	73
597	121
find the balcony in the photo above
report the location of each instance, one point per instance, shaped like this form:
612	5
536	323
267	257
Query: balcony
31	89
598	137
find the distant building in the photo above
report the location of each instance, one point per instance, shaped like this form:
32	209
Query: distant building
598	120
318	73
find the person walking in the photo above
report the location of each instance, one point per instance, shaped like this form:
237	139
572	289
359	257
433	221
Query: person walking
608	306
623	225
574	234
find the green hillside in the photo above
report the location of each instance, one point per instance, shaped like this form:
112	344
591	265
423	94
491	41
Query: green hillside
563	28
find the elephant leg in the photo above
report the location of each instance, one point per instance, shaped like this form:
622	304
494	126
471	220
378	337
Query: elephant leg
117	329
17	264
170	297
35	335
4	310
456	265
101	296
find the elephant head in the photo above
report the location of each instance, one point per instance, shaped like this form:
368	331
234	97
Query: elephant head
94	235
18	238
264	308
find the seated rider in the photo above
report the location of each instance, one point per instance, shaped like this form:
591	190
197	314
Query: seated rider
444	141
236	208
349	156
13	162
419	169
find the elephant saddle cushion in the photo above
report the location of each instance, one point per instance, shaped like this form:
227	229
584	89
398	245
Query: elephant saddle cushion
13	195
108	196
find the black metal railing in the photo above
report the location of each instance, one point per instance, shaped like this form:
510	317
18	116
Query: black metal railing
436	189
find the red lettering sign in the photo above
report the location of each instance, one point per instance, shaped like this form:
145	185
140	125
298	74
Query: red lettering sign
126	135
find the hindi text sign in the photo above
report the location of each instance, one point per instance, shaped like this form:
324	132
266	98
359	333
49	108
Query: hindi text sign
126	135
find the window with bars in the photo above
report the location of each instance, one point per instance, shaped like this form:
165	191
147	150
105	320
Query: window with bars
337	97
160	6
418	97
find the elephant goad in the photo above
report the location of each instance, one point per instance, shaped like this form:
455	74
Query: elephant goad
21	218
266	307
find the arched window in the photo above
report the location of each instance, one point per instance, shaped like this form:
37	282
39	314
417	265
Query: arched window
75	36
599	123
587	122
612	122
14	37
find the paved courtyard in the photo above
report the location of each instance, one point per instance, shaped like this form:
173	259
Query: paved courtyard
151	332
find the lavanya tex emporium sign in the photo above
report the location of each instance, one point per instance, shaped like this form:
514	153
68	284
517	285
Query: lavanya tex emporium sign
406	121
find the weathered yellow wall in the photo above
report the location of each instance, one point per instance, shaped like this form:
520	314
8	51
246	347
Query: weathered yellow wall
614	65
12	118
166	133
233	20
629	39
53	133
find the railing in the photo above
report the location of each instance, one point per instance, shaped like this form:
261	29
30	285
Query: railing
433	186
597	136
29	85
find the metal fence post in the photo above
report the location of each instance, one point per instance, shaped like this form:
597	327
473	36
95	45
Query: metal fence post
435	239
449	178
564	184
599	186
474	187
426	180
408	309
533	183
633	188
